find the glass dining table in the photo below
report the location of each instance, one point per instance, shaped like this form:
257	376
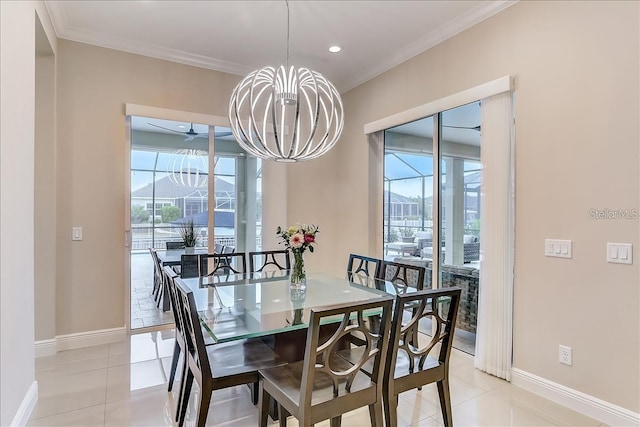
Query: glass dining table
233	307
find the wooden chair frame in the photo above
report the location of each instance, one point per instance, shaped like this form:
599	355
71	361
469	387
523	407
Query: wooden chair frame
269	259
361	264
320	364
422	368
222	264
254	354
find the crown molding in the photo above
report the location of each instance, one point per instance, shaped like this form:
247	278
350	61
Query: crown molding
438	35
431	39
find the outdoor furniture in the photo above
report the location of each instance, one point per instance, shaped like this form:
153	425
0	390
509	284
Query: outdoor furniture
279	260
174	245
323	386
401	248
409	364
216	366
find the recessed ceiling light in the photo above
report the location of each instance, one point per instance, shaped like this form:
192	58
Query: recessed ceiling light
335	49
182	126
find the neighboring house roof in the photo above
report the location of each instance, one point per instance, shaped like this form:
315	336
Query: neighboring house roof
165	188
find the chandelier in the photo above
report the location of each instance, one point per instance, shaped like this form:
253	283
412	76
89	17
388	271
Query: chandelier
286	114
189	168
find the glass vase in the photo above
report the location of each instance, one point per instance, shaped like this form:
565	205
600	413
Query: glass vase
298	273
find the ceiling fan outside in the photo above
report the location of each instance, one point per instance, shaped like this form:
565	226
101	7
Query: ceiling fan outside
477	128
191	133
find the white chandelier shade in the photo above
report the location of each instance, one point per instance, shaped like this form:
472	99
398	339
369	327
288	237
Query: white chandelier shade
189	168
285	114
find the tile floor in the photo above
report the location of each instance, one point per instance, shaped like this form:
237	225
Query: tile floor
125	384
144	312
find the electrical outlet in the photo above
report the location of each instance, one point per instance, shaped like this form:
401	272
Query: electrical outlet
565	356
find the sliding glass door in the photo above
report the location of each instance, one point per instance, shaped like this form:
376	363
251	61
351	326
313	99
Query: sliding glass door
411	210
170	187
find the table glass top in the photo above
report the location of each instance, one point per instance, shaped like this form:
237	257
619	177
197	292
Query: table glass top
236	307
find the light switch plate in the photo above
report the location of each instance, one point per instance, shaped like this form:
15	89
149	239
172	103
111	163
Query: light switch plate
76	233
620	253
557	248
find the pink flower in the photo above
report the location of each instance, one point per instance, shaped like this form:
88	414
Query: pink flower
297	240
309	238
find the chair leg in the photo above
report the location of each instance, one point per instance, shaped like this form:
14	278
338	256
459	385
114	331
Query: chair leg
264	399
174	364
445	402
336	422
375	414
181	395
390	411
255	392
205	401
184	397
282	416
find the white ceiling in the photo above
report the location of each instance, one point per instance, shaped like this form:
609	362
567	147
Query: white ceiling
241	36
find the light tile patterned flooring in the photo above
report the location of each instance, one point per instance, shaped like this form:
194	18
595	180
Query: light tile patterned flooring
144	312
125	384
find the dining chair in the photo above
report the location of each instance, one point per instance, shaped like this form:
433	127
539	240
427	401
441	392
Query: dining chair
189	265
216	366
323	385
361	266
228	249
157	277
269	260
217	248
409	364
180	346
403	276
231	263
174	245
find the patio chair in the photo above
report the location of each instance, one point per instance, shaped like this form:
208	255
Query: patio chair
174	245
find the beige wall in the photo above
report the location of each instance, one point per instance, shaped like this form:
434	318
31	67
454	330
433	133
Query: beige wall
93	86
45	191
576	66
18	27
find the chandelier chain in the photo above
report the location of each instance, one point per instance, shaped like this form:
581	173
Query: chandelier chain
288	25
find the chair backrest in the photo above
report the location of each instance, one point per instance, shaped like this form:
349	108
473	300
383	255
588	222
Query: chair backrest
189	265
194	340
403	275
156	264
320	357
174	245
440	306
269	260
169	277
217	248
228	249
233	263
362	265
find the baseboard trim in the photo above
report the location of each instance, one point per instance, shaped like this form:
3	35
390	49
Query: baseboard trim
27	406
591	406
45	348
79	340
86	339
